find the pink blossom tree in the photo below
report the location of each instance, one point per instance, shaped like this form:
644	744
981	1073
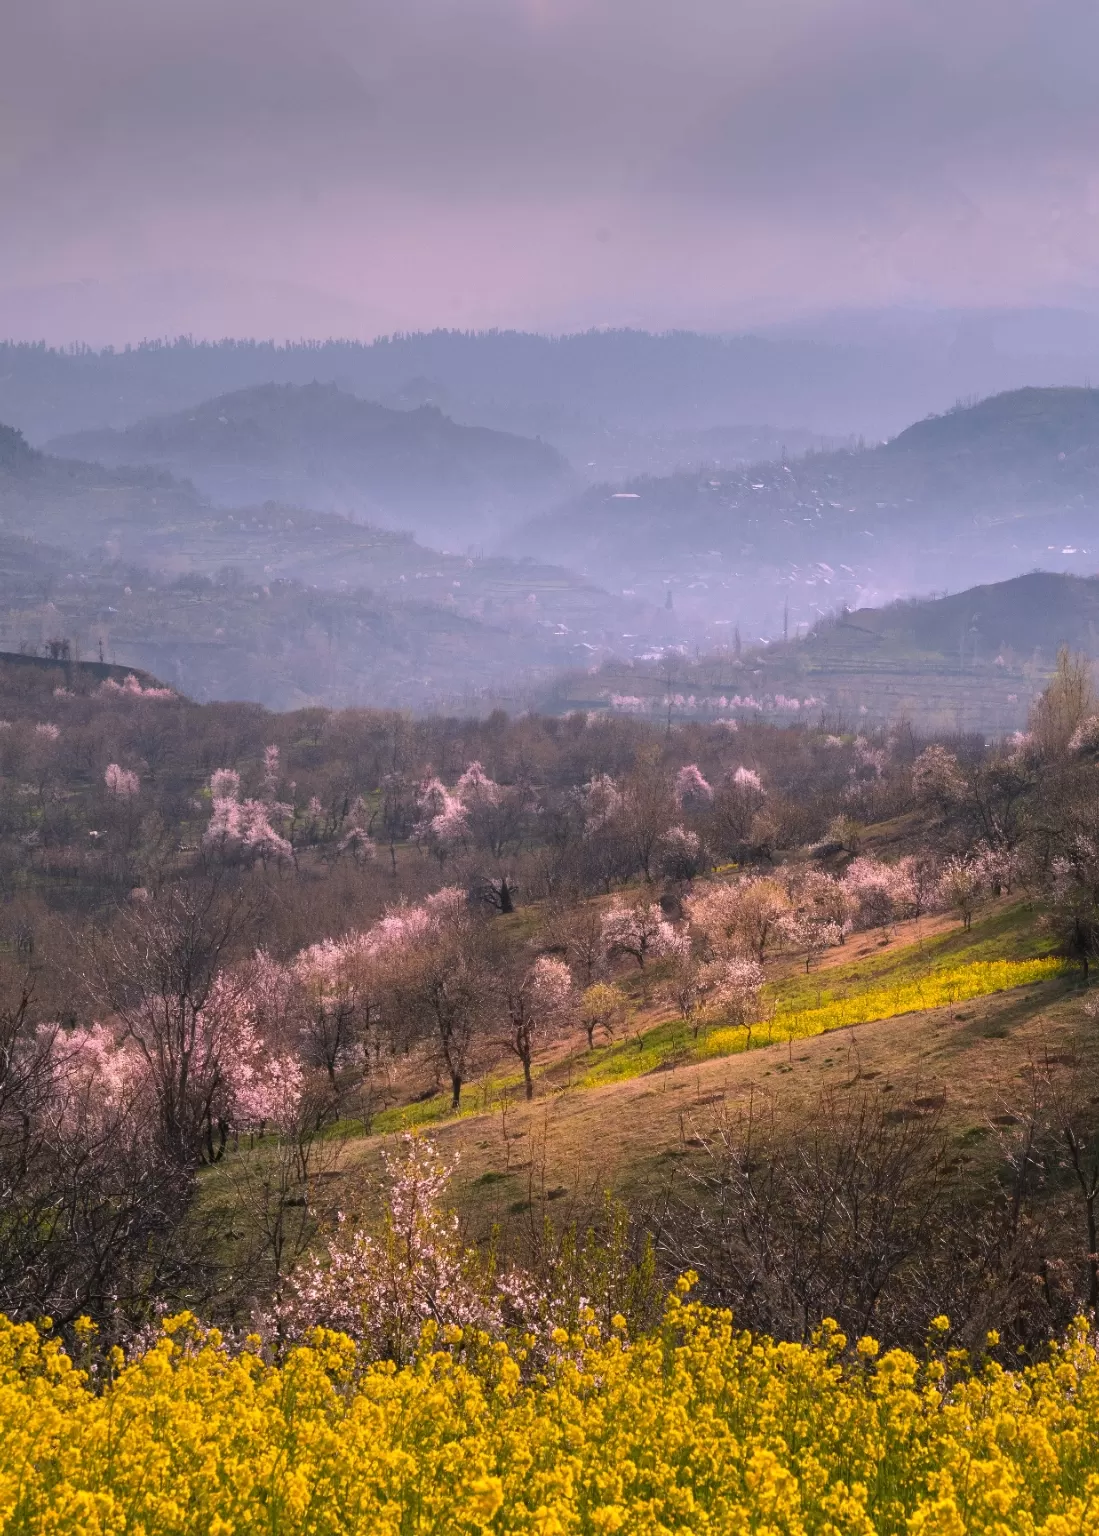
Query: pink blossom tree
732	988
873	890
435	979
748	781
711	989
962	885
537	1004
743	917
271	771
821	915
680	854
642	931
121	782
692	792
158	973
132	688
242	828
937	777
443	826
599	802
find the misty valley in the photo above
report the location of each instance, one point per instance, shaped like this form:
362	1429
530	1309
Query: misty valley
294	542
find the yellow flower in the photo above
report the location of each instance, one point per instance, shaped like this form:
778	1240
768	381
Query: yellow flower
699	1428
485	1495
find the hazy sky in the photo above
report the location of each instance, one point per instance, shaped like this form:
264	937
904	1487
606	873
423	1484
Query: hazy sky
358	166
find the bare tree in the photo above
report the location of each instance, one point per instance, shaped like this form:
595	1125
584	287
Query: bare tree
437	991
156	972
791	1221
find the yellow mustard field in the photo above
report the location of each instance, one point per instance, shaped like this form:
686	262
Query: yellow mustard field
698	1429
939	989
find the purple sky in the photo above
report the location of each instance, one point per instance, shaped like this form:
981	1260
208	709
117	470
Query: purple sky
289	167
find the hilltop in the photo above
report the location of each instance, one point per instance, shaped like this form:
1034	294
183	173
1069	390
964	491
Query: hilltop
1008	431
320	446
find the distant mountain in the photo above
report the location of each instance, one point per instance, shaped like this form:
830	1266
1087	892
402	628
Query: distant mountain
320	446
864	374
979	493
971	661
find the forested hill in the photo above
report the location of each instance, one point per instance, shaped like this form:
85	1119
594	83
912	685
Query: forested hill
979	494
1027	618
15	453
278	603
318	444
1008	432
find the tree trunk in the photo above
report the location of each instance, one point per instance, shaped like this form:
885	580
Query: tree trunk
527	1081
455	1090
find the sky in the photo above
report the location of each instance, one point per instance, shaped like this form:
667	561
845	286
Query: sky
356	167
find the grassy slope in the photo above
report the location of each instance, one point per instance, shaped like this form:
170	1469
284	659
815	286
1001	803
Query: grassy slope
574	1141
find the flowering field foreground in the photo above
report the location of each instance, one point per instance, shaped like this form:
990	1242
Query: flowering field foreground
698	1429
958	984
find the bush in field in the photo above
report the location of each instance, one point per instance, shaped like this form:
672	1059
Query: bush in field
382	1287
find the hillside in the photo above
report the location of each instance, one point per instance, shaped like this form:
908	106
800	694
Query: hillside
650	1122
278	642
322	447
418	626
976	495
971	661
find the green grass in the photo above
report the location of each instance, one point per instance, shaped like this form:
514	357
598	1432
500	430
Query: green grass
633	1057
478	1098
